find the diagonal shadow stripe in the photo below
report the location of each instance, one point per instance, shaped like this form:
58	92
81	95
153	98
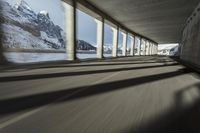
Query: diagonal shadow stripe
64	74
17	104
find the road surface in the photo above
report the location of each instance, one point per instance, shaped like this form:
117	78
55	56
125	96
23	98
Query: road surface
126	95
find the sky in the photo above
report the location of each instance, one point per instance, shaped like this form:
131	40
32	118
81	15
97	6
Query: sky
86	26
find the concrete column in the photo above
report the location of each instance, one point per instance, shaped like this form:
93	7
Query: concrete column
150	50
115	41
153	49
139	47
145	47
124	44
157	49
70	28
3	60
100	38
132	46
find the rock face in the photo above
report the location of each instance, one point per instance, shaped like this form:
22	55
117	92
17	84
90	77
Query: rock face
26	11
46	25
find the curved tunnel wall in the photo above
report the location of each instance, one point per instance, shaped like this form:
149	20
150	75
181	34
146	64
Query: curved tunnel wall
190	48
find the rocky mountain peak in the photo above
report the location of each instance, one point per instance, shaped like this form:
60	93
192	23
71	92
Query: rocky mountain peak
23	6
44	13
25	10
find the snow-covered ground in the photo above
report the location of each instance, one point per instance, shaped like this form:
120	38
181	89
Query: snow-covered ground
23	57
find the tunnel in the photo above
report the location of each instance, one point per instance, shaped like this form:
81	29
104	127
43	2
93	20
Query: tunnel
94	66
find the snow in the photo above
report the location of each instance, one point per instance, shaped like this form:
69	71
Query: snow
53	40
18	38
44	13
13	14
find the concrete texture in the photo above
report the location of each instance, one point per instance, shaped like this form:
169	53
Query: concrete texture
3	60
115	41
124	43
190	47
100	38
160	20
124	95
70	28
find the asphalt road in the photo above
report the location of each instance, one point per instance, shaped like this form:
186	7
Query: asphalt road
124	95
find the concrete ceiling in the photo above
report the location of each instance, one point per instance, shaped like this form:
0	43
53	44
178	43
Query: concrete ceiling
159	20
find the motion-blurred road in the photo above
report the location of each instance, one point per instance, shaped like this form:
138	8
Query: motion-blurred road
124	95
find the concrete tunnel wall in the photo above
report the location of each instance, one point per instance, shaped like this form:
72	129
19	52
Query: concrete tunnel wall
2	57
190	48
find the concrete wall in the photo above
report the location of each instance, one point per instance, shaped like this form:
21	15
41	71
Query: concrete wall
190	47
2	58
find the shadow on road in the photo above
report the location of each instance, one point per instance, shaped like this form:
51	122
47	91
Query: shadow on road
103	64
17	104
64	64
78	73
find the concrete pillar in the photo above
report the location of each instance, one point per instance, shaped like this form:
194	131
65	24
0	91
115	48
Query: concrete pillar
70	28
153	49
150	50
139	47
100	38
124	44
115	41
145	47
157	49
3	60
132	46
136	42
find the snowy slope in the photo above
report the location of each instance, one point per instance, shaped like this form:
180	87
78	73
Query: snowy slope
24	40
24	29
21	28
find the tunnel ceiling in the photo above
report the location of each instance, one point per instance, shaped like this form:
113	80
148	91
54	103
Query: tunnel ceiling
160	20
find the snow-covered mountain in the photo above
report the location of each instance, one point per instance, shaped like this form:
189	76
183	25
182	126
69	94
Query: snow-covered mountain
107	49
23	28
82	45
